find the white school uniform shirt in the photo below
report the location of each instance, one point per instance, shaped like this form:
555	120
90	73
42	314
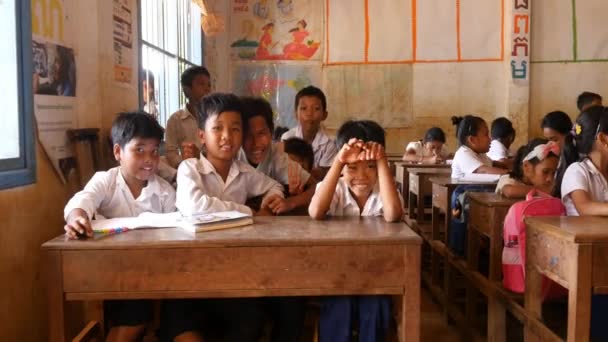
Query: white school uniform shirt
276	165
498	150
323	146
201	190
466	161
108	195
182	126
583	176
344	204
418	146
506	180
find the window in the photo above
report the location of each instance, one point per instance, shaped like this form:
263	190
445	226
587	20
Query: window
171	41
17	158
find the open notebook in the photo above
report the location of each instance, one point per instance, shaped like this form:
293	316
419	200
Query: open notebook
196	223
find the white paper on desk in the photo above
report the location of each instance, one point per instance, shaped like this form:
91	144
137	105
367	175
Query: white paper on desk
480	178
144	220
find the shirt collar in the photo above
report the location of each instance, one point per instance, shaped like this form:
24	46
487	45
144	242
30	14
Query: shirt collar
321	137
205	167
184	113
591	167
152	188
351	201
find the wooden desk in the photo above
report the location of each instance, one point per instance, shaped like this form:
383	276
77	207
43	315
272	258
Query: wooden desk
420	186
487	213
277	256
402	175
393	158
571	251
443	187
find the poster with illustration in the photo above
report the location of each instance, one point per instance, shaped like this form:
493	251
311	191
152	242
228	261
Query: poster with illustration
276	29
54	64
277	83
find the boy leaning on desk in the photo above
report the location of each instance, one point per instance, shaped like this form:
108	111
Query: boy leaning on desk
124	191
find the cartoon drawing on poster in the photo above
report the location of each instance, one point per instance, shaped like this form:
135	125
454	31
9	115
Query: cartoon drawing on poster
291	30
277	83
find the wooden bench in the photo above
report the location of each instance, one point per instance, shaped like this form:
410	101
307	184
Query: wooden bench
276	256
571	251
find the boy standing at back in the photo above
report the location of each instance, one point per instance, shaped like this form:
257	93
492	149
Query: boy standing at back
182	126
588	99
311	110
124	191
366	188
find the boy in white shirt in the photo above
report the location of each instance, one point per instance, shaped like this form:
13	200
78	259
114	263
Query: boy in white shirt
311	110
219	182
267	157
366	188
124	191
182	127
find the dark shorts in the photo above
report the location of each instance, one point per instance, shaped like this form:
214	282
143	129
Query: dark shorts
232	319
128	312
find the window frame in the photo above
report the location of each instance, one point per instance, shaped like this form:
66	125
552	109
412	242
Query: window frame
182	63
22	170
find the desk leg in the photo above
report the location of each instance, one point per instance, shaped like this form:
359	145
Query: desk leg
420	198
473	238
410	305
579	296
53	278
435	235
497	329
532	299
410	205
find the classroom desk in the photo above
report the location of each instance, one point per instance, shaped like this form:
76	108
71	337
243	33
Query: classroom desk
402	175
443	187
571	251
487	213
276	256
393	158
420	187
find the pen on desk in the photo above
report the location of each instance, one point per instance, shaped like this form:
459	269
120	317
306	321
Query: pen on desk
112	230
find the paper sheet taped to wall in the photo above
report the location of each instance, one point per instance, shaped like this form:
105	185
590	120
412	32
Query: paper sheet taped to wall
382	93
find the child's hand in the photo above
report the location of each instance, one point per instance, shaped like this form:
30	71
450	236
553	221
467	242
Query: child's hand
281	205
373	151
435	159
269	201
263	212
351	152
295	185
78	224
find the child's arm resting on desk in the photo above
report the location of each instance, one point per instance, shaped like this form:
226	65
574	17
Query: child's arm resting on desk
392	208
191	198
82	206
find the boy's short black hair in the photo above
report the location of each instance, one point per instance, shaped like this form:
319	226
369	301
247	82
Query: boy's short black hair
256	106
216	103
129	125
586	98
502	128
300	148
365	130
313	92
189	74
278	133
